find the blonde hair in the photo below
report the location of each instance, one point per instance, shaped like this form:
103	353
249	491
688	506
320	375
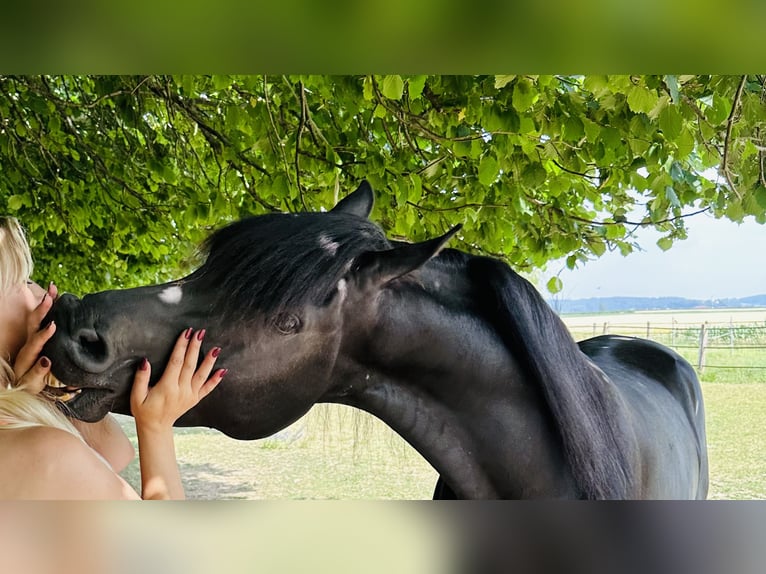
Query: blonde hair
19	408
15	257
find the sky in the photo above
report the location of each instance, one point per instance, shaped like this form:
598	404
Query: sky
720	259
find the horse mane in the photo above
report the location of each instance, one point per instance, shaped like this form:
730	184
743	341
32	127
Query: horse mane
584	408
277	262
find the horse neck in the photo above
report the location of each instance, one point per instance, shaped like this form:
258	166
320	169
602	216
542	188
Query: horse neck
435	370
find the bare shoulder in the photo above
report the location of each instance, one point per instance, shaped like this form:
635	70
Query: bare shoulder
54	464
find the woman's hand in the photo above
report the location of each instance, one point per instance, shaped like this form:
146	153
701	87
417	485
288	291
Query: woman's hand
181	386
31	370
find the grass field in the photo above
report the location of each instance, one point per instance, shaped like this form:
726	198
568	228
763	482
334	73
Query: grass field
336	452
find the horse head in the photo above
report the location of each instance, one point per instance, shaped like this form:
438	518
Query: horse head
280	293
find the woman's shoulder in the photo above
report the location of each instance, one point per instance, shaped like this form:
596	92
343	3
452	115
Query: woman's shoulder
46	444
54	464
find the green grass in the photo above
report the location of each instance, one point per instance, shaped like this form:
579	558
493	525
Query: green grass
736	433
338	453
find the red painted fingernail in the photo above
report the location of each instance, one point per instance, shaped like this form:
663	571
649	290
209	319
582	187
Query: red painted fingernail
223	373
200	335
188	333
144	364
215	352
45	362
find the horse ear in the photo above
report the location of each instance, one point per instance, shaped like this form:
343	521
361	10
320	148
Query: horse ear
384	266
358	202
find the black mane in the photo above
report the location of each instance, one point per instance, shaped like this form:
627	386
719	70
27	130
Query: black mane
276	262
584	405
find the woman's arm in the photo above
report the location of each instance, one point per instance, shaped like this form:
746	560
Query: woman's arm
180	388
108	439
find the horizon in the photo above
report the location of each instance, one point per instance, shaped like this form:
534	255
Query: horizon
557	298
720	259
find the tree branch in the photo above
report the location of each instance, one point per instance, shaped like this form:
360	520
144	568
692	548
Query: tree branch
727	139
301	127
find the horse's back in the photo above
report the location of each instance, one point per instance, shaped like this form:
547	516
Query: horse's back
664	393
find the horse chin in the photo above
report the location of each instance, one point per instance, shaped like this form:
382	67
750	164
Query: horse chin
90	405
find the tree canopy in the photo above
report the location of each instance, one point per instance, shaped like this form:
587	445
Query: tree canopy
117	178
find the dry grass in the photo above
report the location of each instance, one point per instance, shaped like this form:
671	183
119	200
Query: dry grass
334	452
338	453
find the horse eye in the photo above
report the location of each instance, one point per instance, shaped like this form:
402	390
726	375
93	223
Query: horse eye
287	323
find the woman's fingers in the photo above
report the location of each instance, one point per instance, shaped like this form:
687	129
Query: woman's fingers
31	350
35	379
208	386
192	357
140	385
177	357
206	367
38	314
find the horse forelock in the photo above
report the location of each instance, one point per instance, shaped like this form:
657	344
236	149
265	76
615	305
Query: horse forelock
582	403
275	262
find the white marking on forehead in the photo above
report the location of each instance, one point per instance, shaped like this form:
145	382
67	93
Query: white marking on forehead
328	244
171	295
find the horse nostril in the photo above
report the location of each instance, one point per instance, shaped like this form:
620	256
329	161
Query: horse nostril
92	344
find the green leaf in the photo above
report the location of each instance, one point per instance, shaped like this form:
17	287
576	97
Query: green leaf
392	87
416	190
573	129
685	144
502	81
670	122
488	170
597	247
719	111
641	99
554	284
15	202
415	86
760	196
368	89
524	95
671	196
615	231
672	83
221	82
665	243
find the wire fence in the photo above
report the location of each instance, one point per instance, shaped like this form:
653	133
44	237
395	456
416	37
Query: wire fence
720	352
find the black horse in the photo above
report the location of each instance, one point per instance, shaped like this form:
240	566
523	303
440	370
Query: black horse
457	353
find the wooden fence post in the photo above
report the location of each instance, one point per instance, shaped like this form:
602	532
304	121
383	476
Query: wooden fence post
703	344
647	329
606	328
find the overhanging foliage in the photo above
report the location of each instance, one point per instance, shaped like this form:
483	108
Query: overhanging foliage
117	178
